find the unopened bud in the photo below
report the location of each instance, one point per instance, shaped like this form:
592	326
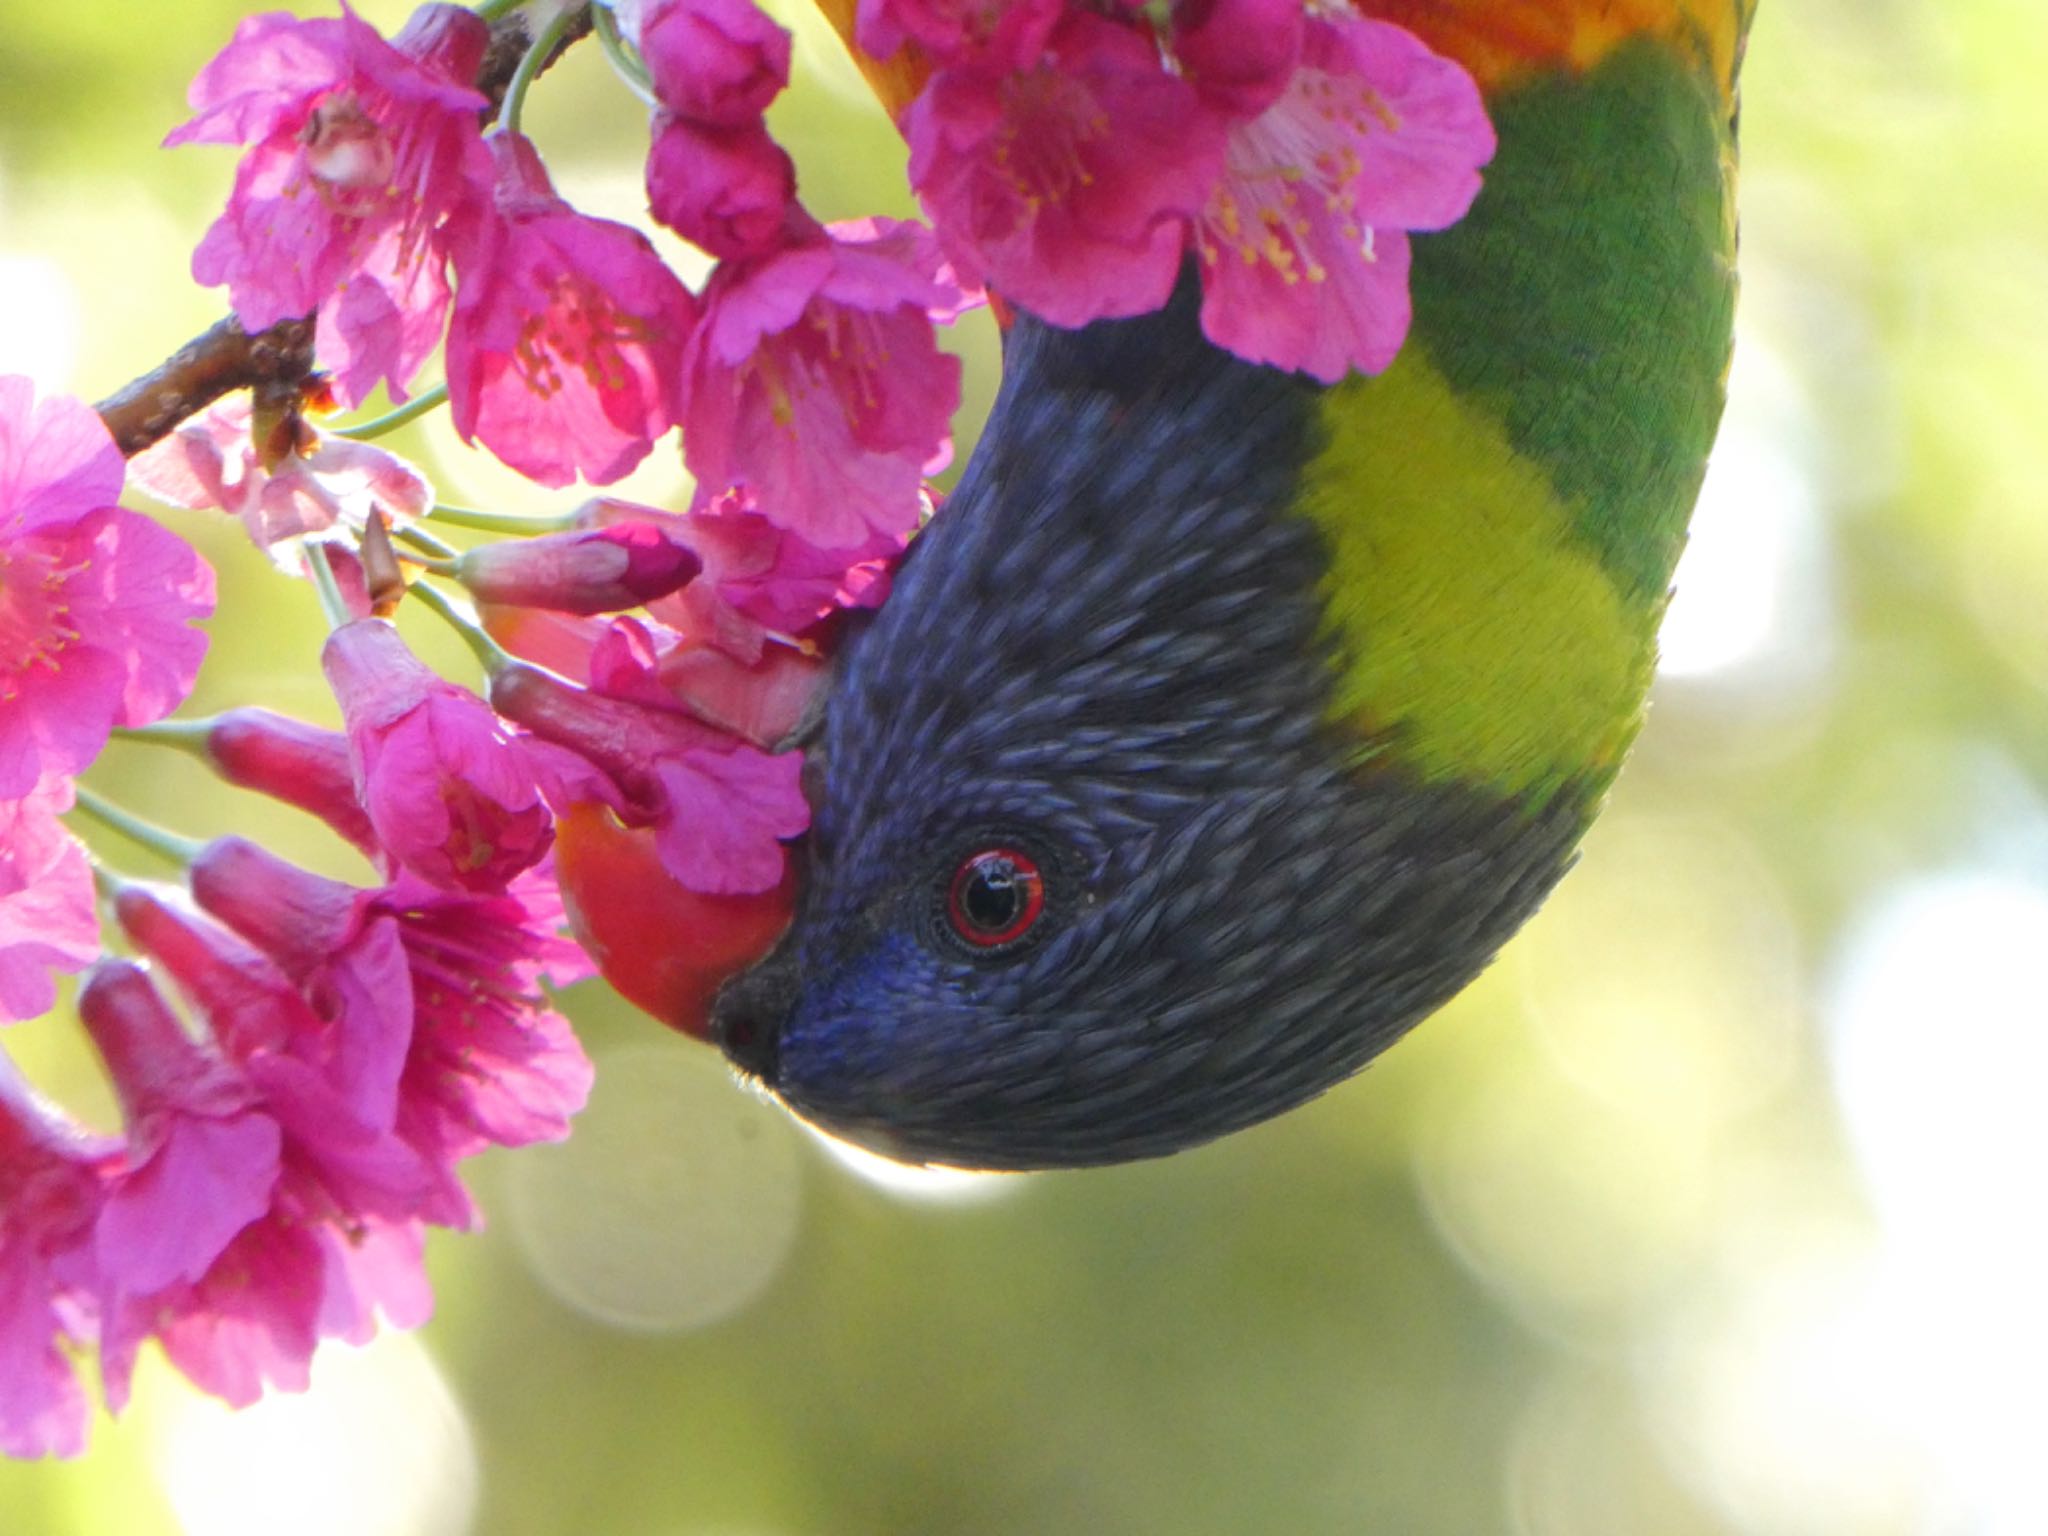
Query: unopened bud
597	570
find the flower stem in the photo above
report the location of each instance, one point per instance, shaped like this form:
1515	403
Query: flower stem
426	543
493	657
632	72
186	735
332	603
144	834
501	522
391	421
491	10
550	38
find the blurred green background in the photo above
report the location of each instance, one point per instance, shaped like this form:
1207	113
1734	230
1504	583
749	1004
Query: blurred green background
1715	1207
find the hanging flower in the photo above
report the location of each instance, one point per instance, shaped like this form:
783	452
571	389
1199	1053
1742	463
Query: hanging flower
449	792
816	382
567	341
359	150
95	602
1303	244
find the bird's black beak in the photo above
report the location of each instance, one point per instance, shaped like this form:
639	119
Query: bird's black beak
748	1015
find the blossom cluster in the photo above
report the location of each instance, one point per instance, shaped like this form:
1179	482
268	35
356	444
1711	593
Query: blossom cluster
303	1064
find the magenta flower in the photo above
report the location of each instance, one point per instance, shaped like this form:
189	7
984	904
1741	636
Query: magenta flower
202	1156
46	902
95	602
485	1060
53	1179
568	336
816	382
1303	245
359	150
599	570
731	191
450	794
720	809
713	61
759	699
328	482
1061	163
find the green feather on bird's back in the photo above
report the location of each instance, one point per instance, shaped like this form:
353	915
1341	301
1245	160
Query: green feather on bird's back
1505	506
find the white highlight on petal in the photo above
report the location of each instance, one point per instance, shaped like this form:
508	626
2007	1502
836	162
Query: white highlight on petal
377	1447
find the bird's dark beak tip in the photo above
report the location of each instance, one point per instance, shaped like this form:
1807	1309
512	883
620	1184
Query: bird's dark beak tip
747	1018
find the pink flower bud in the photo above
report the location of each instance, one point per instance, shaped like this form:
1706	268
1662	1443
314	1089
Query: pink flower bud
302	765
718	61
450	793
730	190
293	915
598	571
449	39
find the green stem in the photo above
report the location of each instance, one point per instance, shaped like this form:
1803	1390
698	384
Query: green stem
391	421
425	542
493	657
529	65
501	522
632	72
186	735
492	10
144	834
332	603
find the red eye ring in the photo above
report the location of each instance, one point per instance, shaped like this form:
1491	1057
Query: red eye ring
995	897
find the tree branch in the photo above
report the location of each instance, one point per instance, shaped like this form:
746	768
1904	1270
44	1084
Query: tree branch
279	360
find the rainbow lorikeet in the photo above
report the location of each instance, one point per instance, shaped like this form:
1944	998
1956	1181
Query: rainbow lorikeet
1225	724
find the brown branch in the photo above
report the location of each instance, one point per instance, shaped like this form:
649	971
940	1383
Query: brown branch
280	360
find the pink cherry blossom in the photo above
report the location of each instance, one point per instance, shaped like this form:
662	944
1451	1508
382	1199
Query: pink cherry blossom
95	602
359	150
599	570
1061	163
449	792
731	191
1303	246
320	482
815	381
202	1156
486	1061
53	1179
567	341
717	62
47	922
720	809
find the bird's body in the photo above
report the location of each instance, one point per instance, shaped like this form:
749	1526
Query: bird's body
1290	703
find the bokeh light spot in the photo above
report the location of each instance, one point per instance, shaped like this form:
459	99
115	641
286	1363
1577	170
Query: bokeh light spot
672	1205
378	1447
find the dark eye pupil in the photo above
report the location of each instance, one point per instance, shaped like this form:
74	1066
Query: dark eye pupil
992	898
996	896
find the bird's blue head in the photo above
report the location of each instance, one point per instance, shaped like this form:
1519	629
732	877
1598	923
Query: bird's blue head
1092	874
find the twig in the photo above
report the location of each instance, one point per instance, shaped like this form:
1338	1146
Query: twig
227	358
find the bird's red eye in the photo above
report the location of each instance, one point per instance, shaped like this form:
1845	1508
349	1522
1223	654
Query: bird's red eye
997	894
